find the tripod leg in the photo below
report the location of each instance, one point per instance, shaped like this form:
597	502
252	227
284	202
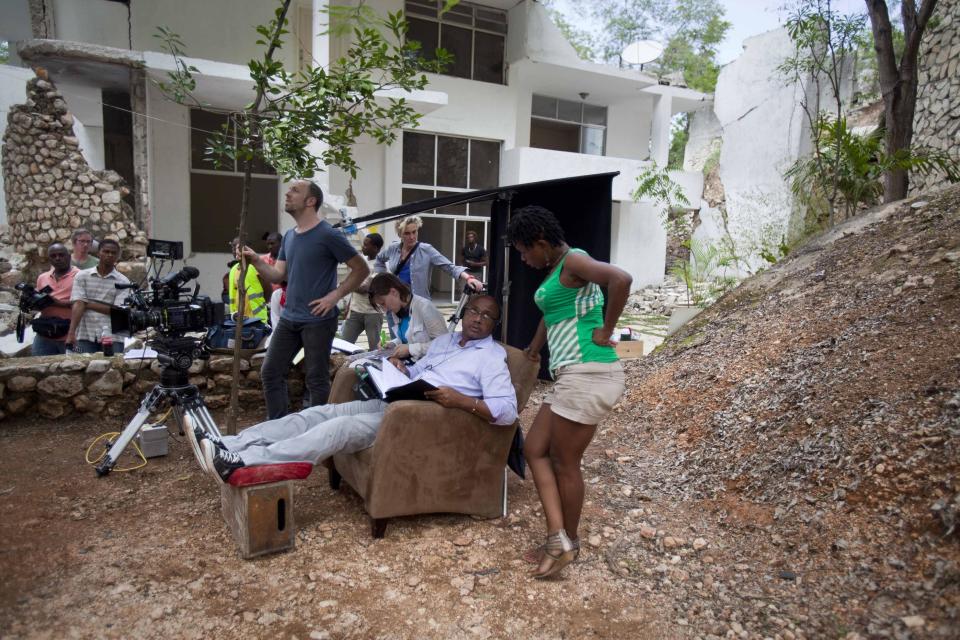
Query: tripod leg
185	428
131	430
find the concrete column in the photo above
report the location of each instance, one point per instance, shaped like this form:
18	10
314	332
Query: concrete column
141	151
660	130
320	50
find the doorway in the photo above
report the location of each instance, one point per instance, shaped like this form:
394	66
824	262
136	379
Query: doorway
447	233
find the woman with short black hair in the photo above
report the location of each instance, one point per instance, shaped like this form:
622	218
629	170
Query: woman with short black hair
589	377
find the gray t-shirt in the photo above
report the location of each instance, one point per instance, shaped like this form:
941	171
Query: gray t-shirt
312	258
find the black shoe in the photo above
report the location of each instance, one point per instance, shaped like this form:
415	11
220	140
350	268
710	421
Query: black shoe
209	435
221	462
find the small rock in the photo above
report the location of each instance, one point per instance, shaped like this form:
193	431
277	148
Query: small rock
595	540
462	541
788	575
699	544
913	622
648	532
413	581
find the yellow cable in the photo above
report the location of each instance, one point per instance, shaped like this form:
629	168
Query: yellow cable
133	442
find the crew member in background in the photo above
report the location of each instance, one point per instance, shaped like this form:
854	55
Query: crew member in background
256	286
82	244
50	329
308	261
362	315
94	292
474	255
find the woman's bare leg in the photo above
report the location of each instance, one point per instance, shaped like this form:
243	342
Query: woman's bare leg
568	441
536	449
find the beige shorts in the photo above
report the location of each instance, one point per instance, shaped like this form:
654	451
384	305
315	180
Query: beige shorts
586	392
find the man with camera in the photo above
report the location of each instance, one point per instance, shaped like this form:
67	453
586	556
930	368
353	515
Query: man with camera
94	292
50	328
308	259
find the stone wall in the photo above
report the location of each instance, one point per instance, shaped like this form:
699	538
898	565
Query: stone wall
50	189
937	120
59	386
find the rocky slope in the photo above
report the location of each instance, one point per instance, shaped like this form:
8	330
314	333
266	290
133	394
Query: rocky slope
818	406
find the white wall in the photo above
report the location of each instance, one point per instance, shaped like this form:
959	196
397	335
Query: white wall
14	26
85	103
638	242
528	164
764	131
628	128
13	91
96	21
212	29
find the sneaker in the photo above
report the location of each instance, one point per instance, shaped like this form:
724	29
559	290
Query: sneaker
195	435
221	462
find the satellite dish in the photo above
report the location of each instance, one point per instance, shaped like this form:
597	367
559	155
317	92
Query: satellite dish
641	52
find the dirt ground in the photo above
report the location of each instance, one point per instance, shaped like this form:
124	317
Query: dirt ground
785	467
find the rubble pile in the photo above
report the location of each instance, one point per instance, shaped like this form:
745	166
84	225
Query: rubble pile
814	412
50	189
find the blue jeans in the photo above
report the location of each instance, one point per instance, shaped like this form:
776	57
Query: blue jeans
86	346
288	337
47	347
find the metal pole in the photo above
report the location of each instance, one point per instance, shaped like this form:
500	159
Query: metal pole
505	289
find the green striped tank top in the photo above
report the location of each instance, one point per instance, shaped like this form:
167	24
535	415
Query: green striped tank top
571	315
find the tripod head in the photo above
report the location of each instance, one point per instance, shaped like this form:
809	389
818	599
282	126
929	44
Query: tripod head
177	353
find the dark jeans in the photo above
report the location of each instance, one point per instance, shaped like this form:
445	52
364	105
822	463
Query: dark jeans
47	347
288	337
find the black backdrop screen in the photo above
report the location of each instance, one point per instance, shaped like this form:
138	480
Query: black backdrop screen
581	204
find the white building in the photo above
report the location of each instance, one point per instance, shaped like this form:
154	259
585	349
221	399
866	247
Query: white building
518	105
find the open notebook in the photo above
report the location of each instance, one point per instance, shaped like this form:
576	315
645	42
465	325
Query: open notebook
393	385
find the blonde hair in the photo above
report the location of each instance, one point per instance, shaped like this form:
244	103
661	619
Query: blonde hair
402	223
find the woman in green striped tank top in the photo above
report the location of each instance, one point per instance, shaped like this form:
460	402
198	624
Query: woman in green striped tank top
589	377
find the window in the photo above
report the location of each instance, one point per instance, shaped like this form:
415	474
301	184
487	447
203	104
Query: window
474	35
435	165
567	125
216	192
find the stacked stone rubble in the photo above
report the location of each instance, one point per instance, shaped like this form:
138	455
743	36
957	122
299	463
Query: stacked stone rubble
937	120
58	386
50	188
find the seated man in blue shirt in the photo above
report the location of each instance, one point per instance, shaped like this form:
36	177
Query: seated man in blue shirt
469	370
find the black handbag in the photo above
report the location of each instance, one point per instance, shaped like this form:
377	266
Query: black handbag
50	327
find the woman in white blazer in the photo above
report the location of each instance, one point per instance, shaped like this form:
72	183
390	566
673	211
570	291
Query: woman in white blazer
415	319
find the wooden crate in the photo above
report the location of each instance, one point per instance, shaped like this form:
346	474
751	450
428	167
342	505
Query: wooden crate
260	517
629	349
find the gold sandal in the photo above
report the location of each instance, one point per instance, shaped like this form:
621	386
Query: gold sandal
535	554
558	552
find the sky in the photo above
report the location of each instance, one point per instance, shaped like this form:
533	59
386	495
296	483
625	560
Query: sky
750	17
747	18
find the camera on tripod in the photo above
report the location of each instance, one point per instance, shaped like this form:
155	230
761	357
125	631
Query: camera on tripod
33	300
167	307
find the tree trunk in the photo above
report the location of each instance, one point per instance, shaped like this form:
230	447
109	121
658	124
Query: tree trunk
898	83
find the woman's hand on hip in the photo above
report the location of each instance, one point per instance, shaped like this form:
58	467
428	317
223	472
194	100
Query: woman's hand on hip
601	337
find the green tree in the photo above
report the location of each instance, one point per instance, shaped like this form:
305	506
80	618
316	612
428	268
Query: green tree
290	111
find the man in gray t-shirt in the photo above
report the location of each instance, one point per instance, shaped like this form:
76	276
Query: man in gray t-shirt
308	261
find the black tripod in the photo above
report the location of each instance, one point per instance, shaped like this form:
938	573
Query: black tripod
175	355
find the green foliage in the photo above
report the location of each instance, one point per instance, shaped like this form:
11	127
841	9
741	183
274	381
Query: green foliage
849	170
704	272
679	135
335	106
4	51
654	183
691	31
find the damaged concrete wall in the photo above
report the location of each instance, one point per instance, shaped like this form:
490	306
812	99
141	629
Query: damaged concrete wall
937	120
50	188
756	130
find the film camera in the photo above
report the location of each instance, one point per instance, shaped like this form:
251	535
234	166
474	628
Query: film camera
166	307
32	300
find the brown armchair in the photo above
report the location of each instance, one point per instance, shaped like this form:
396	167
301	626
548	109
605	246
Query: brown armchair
428	459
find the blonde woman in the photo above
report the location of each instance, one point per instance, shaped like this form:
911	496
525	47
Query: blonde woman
411	260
